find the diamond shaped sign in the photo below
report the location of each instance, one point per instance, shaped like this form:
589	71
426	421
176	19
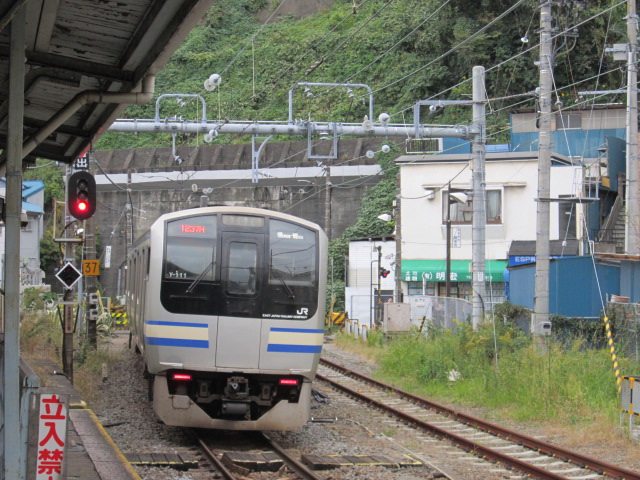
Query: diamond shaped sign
68	275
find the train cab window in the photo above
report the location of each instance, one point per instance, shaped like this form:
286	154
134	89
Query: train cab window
292	254
190	249
243	263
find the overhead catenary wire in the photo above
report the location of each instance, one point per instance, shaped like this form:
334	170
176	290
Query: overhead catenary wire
496	20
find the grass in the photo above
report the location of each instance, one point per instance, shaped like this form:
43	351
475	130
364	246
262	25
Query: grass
569	386
41	339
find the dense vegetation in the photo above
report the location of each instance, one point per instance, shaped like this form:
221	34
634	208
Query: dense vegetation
404	50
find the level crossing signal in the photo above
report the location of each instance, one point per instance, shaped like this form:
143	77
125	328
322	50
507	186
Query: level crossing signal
81	195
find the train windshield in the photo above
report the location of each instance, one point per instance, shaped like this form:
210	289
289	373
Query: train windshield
243	265
240	266
191	248
292	254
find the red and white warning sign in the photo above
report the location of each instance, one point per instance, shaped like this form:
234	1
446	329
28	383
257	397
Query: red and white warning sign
52	437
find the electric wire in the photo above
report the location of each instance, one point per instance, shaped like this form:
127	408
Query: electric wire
453	49
383	54
252	38
273	83
463	82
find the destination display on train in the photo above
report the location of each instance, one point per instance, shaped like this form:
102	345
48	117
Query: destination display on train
289	236
193	228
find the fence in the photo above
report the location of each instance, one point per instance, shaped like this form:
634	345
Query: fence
627	320
440	312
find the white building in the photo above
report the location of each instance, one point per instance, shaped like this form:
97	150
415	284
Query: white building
511	191
366	257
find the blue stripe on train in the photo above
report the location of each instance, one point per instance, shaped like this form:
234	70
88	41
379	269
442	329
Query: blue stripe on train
177	342
275	347
176	324
297	330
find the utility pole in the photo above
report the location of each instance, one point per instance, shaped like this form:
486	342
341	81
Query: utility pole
398	235
129	214
478	228
378	309
540	317
632	223
448	249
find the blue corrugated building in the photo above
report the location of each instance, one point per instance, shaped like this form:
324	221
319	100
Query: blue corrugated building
578	286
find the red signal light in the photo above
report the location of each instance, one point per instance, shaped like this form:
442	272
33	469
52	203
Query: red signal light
81	195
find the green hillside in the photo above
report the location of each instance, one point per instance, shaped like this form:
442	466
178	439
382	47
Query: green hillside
405	50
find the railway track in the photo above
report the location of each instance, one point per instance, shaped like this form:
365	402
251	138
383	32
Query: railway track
526	455
220	463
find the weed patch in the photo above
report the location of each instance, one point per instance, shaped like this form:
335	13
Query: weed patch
571	383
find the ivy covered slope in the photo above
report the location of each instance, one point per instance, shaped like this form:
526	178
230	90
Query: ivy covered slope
405	50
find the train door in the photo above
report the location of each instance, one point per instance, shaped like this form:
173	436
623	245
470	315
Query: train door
239	324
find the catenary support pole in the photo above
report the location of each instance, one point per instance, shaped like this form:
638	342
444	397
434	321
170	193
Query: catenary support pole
327	201
11	355
478	232
540	316
632	219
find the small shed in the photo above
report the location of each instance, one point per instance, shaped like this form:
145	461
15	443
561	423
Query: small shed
578	286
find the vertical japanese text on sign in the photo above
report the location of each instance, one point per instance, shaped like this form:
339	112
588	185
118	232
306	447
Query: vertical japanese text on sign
52	434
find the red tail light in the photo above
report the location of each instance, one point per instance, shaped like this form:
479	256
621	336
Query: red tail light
288	381
181	376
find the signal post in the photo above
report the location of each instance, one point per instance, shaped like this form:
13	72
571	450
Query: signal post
81	204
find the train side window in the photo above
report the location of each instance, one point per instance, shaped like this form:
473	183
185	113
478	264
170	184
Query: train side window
191	248
243	263
292	256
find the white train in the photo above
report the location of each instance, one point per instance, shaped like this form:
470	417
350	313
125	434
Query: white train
226	306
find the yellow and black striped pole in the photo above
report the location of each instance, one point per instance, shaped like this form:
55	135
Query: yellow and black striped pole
612	349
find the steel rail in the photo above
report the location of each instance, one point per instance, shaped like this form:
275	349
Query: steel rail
226	473
294	464
524	440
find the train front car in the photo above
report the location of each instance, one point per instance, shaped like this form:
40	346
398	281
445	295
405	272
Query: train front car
234	329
